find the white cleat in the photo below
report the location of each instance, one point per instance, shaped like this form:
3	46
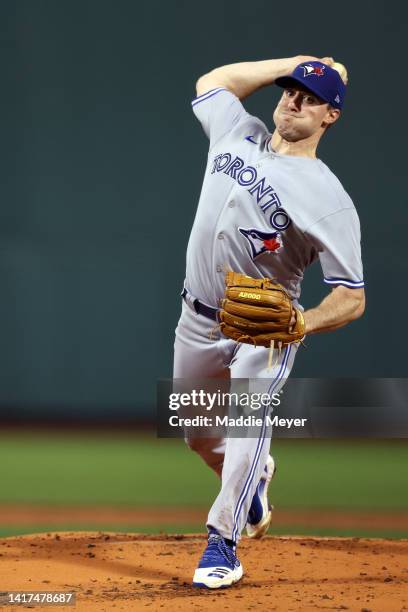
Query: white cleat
219	566
260	512
217	577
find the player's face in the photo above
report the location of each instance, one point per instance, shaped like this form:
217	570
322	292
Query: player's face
300	114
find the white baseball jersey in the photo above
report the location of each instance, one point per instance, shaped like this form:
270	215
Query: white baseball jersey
265	214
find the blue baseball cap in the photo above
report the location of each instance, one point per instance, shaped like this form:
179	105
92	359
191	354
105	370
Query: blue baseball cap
320	79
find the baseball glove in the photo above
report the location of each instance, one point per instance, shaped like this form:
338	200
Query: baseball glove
259	311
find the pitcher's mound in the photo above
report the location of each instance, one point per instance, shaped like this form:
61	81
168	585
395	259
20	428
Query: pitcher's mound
132	572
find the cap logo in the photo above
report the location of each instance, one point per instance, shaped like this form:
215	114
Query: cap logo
308	69
337	99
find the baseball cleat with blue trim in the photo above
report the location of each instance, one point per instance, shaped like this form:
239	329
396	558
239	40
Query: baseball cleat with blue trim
260	512
219	566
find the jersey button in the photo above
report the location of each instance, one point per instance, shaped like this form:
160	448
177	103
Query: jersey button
231	204
219	268
220	236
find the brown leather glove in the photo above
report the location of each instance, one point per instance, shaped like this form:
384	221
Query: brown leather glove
259	311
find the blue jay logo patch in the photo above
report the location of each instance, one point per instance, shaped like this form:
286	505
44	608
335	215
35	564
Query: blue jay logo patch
262	242
308	69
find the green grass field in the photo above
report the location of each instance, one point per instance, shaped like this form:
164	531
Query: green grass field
129	470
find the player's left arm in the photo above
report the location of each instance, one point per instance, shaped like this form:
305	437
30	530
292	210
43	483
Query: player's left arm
340	307
337	238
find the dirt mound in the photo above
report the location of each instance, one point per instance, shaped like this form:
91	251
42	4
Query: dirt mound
133	572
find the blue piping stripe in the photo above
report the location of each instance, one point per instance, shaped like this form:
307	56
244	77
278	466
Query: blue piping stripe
345	282
258	448
208	92
207	95
249	479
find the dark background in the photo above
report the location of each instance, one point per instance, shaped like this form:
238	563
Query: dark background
101	167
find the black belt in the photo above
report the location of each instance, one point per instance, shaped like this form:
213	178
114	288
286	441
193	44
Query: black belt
199	307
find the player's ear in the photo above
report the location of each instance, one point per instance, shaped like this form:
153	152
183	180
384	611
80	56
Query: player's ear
331	115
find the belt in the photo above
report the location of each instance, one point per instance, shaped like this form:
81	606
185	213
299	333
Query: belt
199	307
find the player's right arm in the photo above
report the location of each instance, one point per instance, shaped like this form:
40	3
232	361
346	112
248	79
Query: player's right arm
219	93
245	78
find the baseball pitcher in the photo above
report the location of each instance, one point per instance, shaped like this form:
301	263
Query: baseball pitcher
268	209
